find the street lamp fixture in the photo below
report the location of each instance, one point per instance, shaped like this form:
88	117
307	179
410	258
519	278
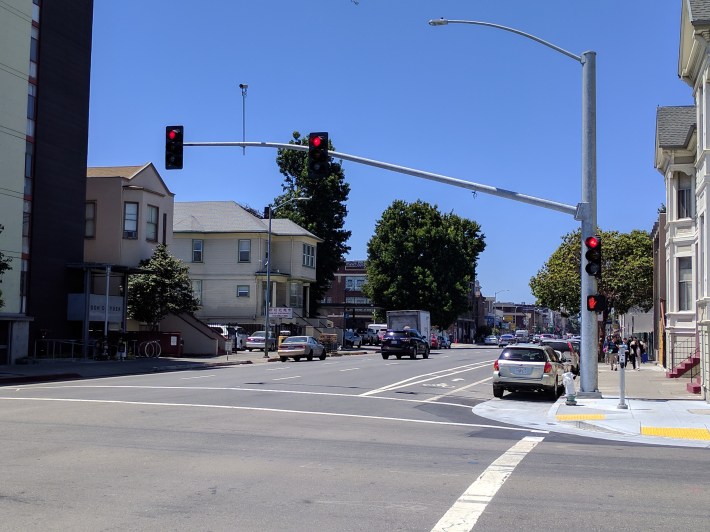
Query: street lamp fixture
267	320
586	212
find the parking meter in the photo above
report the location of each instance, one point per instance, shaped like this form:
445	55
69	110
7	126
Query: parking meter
622	357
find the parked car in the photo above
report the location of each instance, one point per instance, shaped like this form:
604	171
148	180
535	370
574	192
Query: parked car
369	337
528	368
490	340
444	340
257	341
406	342
352	339
434	341
567	352
506	339
296	347
239	336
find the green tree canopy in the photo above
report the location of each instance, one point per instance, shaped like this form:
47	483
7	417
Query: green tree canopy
167	288
324	215
627	272
421	259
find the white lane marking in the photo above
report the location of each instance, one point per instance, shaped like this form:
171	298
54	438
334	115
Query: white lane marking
198	377
287	378
432	399
412	381
462	516
348	369
276	410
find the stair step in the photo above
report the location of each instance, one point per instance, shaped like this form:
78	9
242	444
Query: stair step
693	387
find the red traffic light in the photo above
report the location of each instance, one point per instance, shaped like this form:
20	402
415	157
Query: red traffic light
316	142
592	242
596	303
172	134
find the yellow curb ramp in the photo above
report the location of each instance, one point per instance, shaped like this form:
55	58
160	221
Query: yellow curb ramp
579	417
675	432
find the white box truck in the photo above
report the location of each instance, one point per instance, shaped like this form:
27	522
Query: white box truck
414	319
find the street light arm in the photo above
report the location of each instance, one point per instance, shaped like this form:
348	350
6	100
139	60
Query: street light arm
443	22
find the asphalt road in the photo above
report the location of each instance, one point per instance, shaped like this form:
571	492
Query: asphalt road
346	444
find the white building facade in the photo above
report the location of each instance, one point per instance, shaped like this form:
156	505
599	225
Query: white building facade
682	153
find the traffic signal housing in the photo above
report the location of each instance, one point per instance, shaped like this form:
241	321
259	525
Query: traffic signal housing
318	165
593	256
596	303
173	147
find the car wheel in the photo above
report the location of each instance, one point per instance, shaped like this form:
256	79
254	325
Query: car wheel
414	352
385	356
309	356
249	349
322	356
498	392
553	392
297	359
399	357
426	352
283	359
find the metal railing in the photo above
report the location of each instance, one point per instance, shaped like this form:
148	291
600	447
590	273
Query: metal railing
681	351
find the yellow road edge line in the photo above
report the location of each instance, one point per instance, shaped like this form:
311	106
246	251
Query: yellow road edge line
579	417
676	432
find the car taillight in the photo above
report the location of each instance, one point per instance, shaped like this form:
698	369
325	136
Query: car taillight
495	366
548	367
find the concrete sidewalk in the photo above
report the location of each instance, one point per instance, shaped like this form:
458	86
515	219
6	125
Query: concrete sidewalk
659	410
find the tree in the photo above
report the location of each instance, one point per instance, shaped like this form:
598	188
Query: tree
421	259
166	289
324	215
4	266
627	273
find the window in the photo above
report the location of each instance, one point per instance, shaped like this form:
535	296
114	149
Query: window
685	283
243	290
244	250
309	256
197	290
90	219
685	196
31	109
130	220
151	224
197	247
296	293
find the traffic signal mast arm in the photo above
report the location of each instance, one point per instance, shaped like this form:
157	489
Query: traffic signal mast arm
495	191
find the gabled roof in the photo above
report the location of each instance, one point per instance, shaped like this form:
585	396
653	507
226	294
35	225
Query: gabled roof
699	12
675	126
126	172
228	217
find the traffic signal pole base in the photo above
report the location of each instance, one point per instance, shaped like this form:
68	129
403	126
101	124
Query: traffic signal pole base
596	394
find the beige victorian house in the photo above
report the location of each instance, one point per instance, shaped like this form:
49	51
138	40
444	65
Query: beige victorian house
225	247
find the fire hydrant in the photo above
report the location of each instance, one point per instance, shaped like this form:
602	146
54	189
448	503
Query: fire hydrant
568	381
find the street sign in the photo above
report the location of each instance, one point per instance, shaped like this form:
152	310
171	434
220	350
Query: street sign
281	312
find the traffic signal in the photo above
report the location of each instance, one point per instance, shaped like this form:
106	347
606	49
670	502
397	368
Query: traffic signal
593	256
318	165
173	147
596	303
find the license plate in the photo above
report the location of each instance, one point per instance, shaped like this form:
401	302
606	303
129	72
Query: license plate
520	371
394	342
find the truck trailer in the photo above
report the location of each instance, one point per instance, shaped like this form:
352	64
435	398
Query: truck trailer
413	319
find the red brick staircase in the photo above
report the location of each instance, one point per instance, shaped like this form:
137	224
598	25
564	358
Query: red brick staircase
684	367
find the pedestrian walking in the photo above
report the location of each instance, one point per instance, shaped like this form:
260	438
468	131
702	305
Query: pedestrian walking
631	353
613	351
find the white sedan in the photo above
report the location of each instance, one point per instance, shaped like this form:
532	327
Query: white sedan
490	340
297	347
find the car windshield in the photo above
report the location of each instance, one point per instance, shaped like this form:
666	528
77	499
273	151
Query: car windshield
523	355
295	340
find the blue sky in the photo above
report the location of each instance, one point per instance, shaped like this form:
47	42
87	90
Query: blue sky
469	102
